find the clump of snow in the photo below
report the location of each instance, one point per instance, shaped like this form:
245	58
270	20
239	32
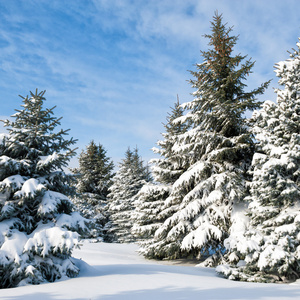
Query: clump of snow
5	228
74	220
4	159
46	160
200	236
239	219
30	270
29	188
14	182
47	241
50	202
271	255
14	244
193	171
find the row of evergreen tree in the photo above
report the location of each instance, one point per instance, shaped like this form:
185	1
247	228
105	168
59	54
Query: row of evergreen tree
224	188
106	198
44	211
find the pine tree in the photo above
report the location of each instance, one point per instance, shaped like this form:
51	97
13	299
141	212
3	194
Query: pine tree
94	178
218	149
37	223
269	248
165	170
127	182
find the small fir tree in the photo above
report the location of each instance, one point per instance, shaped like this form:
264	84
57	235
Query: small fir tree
96	170
37	224
94	178
170	165
165	170
127	182
219	150
269	248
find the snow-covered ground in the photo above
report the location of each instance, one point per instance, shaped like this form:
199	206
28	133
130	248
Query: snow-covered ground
116	271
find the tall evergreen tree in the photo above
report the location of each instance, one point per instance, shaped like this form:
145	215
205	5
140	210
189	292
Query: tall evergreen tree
127	182
94	178
37	222
269	249
218	147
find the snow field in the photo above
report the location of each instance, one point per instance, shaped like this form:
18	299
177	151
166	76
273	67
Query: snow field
116	271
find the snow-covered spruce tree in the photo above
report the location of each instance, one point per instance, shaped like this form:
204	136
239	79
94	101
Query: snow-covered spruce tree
170	165
127	182
269	249
94	173
219	149
165	170
37	224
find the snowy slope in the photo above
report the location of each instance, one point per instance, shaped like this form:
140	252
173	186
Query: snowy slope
116	271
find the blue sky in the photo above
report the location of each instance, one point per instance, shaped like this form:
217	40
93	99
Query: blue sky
114	68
